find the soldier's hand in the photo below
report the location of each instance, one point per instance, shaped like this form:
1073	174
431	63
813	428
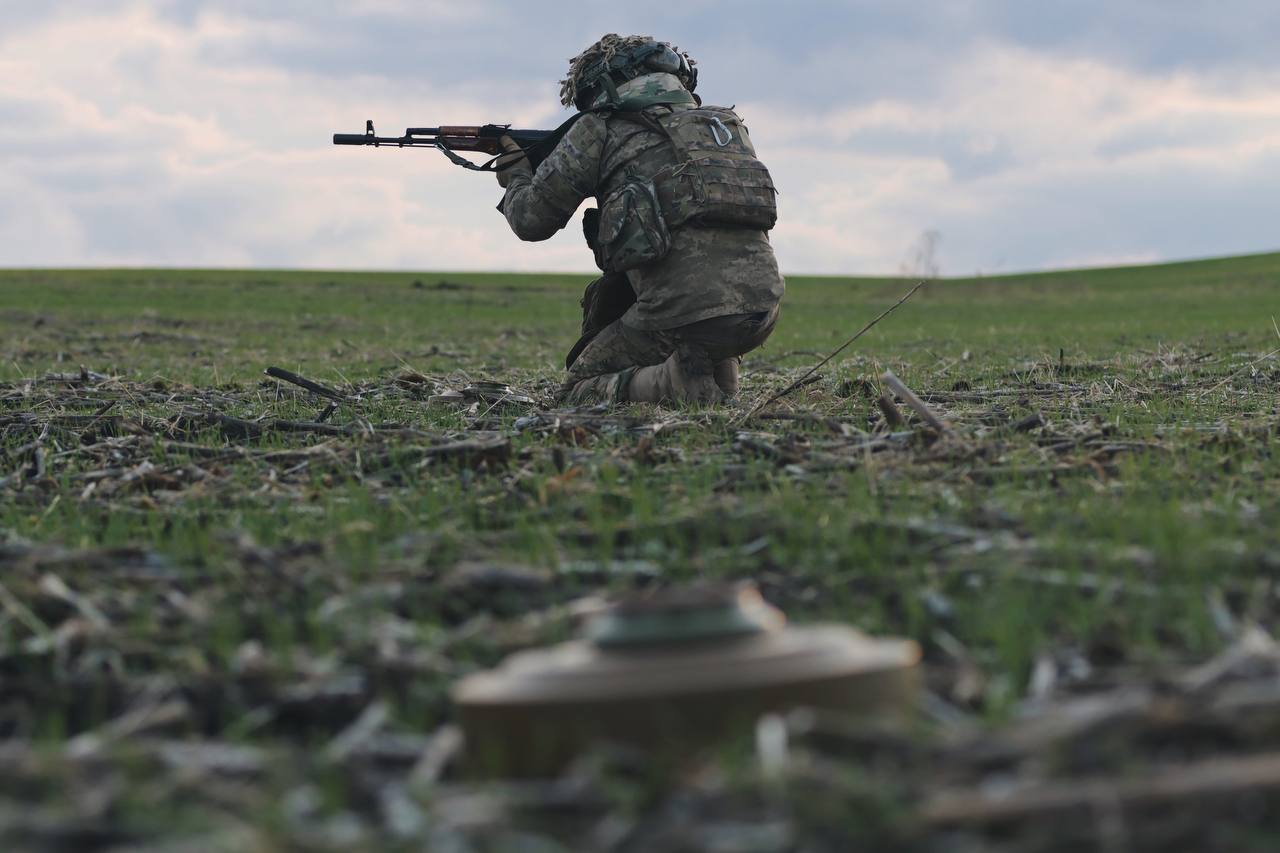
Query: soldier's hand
512	162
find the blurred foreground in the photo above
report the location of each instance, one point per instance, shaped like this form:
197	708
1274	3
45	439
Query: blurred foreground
230	609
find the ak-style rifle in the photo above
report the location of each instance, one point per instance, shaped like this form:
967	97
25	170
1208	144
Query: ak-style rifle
537	144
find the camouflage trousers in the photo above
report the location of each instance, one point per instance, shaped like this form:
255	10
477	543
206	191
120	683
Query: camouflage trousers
603	371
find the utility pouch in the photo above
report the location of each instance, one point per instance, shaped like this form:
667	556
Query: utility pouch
633	230
605	300
591	233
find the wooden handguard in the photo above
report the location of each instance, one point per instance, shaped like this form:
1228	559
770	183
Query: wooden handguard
472	143
468	138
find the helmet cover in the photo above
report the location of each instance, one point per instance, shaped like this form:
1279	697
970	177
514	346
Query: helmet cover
616	58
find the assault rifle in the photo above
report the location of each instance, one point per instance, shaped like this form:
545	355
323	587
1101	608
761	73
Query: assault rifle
537	144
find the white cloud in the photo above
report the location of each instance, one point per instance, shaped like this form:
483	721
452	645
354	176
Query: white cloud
197	133
153	154
1056	140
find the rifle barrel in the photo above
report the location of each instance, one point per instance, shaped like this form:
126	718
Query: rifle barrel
428	135
366	139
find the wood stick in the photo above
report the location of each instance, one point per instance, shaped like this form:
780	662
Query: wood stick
240	428
303	382
892	416
804	379
1183	784
324	415
909	397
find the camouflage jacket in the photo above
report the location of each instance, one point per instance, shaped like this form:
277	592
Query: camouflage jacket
709	272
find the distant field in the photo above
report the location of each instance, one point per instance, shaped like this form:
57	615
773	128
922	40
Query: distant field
198	325
1110	511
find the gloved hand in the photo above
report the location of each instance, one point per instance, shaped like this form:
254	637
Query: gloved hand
512	163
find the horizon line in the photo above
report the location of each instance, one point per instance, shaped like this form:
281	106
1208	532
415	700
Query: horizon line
595	273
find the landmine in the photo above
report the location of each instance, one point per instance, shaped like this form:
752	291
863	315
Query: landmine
668	671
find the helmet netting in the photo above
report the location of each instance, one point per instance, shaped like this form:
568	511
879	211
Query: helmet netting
606	48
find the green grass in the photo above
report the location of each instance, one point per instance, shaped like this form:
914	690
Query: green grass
198	325
1117	535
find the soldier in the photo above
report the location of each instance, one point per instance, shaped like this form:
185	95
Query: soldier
691	282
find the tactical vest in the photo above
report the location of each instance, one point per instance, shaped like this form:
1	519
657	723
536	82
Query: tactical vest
717	179
714	180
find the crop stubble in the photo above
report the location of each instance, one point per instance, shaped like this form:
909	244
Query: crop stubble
230	608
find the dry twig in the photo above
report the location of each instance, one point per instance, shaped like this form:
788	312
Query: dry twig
909	397
805	378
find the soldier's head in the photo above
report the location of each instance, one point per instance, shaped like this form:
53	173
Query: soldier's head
595	73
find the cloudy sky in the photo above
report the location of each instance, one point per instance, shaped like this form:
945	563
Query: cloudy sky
1028	134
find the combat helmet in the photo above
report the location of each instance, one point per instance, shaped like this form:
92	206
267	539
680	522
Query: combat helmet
613	60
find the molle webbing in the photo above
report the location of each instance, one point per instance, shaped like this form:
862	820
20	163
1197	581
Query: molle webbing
716	178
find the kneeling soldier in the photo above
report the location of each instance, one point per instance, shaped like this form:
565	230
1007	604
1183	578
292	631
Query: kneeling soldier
690	280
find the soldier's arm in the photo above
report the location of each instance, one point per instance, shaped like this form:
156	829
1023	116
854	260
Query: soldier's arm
538	206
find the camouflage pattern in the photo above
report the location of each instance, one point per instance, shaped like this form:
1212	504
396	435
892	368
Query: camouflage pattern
604	369
707	272
633	229
717	180
712	177
606	299
582	67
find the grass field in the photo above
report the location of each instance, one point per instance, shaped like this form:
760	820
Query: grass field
197	612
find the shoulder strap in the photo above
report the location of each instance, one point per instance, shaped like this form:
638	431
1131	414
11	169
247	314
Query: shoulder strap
624	108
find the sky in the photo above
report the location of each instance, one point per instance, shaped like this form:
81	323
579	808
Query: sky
1023	135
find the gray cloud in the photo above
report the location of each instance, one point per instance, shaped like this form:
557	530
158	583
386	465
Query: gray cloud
1124	217
185	131
808	51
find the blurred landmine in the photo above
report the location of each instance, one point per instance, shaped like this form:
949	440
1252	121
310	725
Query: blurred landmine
673	672
1189	759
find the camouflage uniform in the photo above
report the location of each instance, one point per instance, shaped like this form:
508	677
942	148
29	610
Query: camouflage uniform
724	274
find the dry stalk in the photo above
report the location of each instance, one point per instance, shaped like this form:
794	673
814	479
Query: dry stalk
921	408
805	378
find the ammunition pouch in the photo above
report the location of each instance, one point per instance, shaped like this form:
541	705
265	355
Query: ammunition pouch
633	230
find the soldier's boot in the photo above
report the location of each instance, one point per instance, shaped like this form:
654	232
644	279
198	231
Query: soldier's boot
606	388
687	376
726	373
